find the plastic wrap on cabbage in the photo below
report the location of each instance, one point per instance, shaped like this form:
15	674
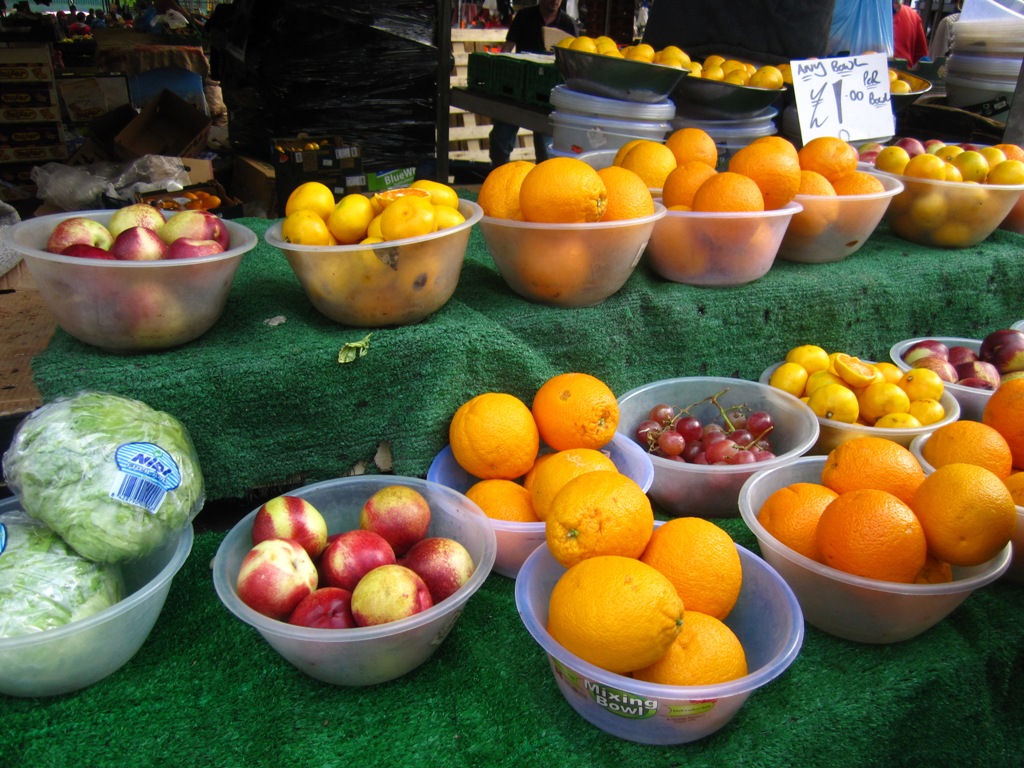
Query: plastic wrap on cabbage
45	584
112	476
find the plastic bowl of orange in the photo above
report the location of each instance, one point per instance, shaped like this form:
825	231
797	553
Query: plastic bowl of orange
1015	572
949	214
397	282
567	265
854	607
718	249
517	540
766	619
832	433
829	229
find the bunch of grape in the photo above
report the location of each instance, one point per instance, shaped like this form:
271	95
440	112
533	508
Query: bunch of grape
741	437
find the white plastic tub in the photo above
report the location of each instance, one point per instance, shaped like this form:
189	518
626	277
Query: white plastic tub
583	133
567	101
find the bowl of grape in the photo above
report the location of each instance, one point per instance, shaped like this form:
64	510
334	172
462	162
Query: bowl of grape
706	435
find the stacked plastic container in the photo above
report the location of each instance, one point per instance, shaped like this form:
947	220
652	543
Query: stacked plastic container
587	125
731	135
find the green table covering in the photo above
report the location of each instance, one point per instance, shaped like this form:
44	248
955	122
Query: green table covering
205	690
269	406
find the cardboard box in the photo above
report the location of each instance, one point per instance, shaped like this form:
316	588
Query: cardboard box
168	125
255	184
329	160
25	65
181	200
85	97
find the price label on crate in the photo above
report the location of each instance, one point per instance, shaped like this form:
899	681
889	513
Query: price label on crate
846	97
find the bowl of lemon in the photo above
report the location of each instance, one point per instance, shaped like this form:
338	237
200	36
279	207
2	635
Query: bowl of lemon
599	67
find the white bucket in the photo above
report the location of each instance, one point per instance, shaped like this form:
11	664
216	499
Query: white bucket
577	134
732	135
569	102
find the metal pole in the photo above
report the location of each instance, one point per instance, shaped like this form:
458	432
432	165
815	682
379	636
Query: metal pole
444	53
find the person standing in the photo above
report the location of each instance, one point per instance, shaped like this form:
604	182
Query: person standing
942	39
526	35
908	38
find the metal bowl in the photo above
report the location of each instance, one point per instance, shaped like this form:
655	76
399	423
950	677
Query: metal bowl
715	99
615	78
918	88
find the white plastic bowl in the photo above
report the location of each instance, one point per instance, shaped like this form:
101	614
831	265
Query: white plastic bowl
1018	326
517	540
766	619
397	282
718	249
567	265
972	400
853	607
129	306
79	654
1015	572
833	433
682	489
364	655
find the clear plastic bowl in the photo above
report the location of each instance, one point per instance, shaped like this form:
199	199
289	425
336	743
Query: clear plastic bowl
517	540
567	265
949	214
718	249
129	306
833	433
1018	326
363	655
682	489
79	654
397	282
972	400
853	607
1015	572
829	229
766	619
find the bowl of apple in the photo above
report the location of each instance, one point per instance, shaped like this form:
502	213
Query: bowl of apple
357	580
131	279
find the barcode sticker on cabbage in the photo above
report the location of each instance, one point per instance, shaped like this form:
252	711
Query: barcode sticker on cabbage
112	476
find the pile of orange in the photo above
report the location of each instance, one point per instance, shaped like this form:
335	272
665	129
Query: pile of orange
844	388
876	514
314	217
564	190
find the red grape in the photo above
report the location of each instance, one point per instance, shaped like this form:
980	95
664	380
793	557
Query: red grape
721	450
743	457
663	414
690	428
671	443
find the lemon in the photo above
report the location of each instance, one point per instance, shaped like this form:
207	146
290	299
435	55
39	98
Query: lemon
927	411
407	217
809	356
921	384
836	402
311	195
882	398
440	194
350	218
789	377
446	216
305	227
898	421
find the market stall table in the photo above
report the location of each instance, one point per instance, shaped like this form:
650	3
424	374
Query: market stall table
135	53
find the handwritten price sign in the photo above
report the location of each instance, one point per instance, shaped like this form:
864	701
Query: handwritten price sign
846	97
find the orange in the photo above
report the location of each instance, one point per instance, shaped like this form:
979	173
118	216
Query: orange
575	410
935	571
409	216
775	170
499	192
1015	484
857	183
780	143
693	144
768	77
701	561
969	442
817	215
529	477
562	190
828	155
813	183
1005	411
624	150
683	181
706	652
493	435
628	195
1012	151
873	462
382	200
313	196
503	500
791	515
305	227
728	191
558	469
967	513
615	612
440	194
598	513
871	533
652	161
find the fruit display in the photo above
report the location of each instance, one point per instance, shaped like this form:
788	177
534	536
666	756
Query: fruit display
999	356
387	569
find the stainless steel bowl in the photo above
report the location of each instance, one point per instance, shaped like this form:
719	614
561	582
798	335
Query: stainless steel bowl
615	78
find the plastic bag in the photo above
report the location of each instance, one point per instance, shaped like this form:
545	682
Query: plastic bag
859	26
68	188
83	188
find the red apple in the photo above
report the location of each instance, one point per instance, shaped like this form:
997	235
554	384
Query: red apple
975	383
959	354
443	564
1004	349
389	593
940	365
153	312
291	517
398	513
84	251
78	229
138	244
275	576
979	369
351	555
137	215
325	608
188	248
196	225
932	146
869	151
1011	376
925	348
913	146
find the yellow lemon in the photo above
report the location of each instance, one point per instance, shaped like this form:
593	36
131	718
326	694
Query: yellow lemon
836	402
789	377
350	218
311	195
440	194
305	227
407	217
446	216
810	356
